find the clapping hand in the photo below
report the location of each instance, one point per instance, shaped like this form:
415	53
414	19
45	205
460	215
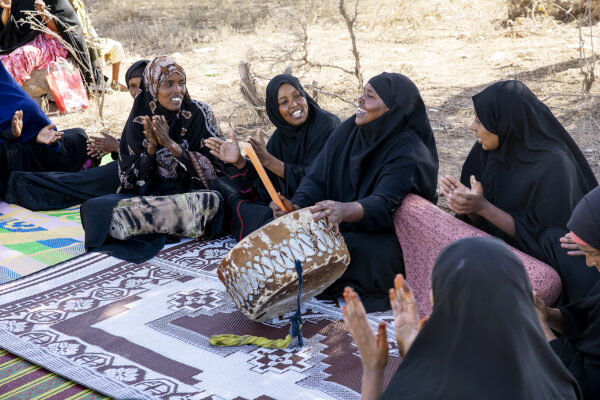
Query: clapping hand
40	6
461	199
48	135
5	4
260	147
228	152
149	134
98	146
406	316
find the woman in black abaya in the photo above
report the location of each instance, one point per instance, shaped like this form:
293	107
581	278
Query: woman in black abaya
578	323
522	179
483	339
302	128
370	163
162	152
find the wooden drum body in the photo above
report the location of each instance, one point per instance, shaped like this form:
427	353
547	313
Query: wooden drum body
259	273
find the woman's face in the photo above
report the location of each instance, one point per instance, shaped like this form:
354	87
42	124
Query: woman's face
487	139
292	105
134	86
370	106
171	92
592	256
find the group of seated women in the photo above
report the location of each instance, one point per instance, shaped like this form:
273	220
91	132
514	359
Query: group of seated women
521	182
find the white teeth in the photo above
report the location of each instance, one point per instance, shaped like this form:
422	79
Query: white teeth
176	99
297	113
360	111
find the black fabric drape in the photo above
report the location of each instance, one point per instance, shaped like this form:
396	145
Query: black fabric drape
377	165
537	175
579	343
136	70
17	32
57	190
483	339
35	157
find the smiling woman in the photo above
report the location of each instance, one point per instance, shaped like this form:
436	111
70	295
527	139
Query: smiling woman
302	128
162	152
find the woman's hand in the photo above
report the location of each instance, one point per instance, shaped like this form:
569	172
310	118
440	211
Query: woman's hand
406	316
545	316
6	4
228	152
98	146
48	135
39	6
461	199
149	134
17	123
160	127
373	349
566	242
289	207
268	160
337	212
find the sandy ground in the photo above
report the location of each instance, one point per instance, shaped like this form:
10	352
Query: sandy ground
450	49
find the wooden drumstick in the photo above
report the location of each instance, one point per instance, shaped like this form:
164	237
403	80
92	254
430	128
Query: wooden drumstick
264	177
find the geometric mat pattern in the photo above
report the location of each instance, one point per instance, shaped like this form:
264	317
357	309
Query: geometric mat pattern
31	241
21	380
141	331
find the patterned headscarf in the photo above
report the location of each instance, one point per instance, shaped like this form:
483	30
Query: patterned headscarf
189	126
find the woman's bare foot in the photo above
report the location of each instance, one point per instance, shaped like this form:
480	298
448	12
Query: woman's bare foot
48	136
17	123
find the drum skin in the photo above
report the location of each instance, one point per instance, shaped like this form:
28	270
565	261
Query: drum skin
259	273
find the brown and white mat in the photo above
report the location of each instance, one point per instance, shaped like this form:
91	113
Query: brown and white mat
141	332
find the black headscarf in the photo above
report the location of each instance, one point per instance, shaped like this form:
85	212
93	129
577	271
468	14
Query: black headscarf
538	174
136	70
378	163
17	33
585	219
189	126
483	339
296	146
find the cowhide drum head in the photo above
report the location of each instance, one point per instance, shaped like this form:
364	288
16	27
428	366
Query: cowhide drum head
259	272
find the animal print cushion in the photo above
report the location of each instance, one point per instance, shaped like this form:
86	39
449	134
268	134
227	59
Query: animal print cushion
183	215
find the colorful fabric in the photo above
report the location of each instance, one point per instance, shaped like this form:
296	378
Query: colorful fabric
31	241
37	54
22	380
142	332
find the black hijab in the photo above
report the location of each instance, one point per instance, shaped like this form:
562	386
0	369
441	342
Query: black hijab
296	146
189	126
585	219
378	163
538	174
17	33
483	339
136	70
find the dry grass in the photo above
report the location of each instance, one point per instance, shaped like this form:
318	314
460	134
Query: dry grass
563	10
450	48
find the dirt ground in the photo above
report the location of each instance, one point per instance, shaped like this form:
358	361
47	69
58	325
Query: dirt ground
451	49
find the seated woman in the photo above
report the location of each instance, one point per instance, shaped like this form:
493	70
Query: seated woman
24	48
162	153
58	190
578	323
28	139
302	128
369	164
522	179
482	341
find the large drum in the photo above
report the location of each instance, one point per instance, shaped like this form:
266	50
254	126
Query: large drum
259	273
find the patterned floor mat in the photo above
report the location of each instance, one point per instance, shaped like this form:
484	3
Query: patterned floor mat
140	331
31	241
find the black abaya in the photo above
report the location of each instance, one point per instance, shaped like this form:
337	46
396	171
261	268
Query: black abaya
483	339
537	175
376	165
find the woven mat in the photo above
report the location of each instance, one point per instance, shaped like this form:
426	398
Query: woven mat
22	380
141	332
31	241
